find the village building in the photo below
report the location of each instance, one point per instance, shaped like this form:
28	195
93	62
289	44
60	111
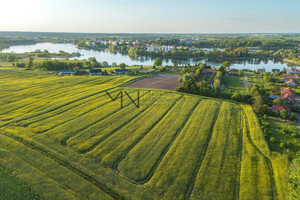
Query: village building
67	71
95	72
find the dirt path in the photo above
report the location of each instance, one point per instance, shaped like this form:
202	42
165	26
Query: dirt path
160	81
245	80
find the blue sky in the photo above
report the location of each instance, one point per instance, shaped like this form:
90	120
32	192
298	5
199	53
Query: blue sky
151	16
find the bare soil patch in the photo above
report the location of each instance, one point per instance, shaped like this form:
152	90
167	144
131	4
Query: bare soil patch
161	81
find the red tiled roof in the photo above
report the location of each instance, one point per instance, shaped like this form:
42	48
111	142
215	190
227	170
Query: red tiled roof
280	108
291	80
288	91
288	96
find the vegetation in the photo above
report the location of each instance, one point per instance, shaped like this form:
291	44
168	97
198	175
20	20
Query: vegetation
65	133
12	189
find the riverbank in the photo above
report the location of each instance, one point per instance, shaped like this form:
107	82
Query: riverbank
292	61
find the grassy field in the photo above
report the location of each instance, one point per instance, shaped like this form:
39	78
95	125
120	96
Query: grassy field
66	139
12	189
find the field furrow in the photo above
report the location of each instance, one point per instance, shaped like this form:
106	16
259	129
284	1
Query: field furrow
143	159
218	171
119	144
187	150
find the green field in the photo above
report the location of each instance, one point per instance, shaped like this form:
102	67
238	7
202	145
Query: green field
66	139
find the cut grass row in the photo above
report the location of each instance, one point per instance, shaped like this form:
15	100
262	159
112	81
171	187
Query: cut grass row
140	163
173	181
82	166
219	170
123	140
255	180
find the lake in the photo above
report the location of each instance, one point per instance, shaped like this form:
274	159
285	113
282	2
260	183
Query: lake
119	58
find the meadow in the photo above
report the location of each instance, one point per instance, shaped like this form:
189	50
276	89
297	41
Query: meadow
64	138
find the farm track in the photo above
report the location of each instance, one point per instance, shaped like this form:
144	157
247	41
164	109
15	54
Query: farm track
39	148
267	160
154	167
115	164
203	152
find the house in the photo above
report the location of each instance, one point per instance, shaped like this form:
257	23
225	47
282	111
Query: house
278	108
288	95
288	91
293	71
209	71
284	79
95	72
121	71
67	71
291	82
259	71
233	71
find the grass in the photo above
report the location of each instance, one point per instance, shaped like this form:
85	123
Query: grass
13	189
66	139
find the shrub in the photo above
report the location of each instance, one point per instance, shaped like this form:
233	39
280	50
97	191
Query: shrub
272	139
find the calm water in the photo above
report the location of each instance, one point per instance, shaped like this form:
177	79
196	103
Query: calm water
119	58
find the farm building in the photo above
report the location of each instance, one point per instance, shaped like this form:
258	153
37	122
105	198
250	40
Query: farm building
209	71
121	71
67	71
95	72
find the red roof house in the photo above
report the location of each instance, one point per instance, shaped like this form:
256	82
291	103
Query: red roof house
278	108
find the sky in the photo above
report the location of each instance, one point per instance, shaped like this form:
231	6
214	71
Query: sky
151	16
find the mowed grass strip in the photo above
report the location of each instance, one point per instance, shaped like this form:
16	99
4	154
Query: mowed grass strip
217	176
123	140
255	180
255	130
146	155
72	186
172	177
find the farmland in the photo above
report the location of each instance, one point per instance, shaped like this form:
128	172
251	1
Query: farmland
65	138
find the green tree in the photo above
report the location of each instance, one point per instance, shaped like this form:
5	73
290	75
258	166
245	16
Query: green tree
217	84
158	62
284	114
11	58
278	101
240	73
293	117
122	65
236	96
226	64
30	63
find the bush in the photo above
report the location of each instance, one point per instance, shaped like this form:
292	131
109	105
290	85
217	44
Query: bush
284	114
282	145
272	139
